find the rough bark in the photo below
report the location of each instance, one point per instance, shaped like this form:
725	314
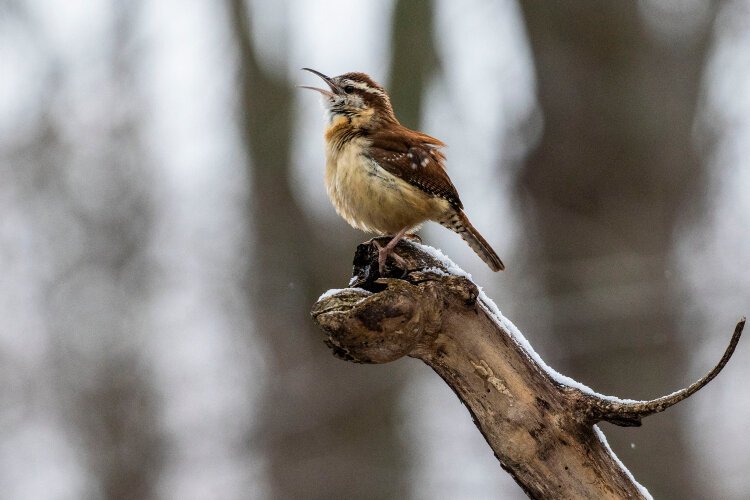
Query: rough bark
541	430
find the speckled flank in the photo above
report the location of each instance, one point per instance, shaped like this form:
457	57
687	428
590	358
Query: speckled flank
370	198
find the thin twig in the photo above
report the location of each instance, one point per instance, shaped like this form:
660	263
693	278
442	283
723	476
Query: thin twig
630	414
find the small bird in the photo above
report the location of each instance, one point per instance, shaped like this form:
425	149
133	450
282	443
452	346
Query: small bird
384	178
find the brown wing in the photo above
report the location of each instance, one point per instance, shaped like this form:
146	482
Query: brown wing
417	159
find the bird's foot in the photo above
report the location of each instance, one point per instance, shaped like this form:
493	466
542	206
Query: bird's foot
414	236
387	251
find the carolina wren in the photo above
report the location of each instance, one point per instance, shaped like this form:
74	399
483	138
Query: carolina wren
383	177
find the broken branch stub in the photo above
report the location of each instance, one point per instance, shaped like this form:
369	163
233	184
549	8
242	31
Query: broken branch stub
539	425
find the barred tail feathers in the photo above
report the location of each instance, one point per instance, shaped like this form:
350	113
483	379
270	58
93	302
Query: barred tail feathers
459	223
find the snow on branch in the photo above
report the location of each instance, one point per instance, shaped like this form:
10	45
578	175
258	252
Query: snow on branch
539	423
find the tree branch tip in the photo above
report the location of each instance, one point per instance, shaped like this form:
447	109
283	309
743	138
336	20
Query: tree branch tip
630	414
740	325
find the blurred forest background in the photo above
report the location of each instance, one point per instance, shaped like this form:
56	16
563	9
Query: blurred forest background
164	232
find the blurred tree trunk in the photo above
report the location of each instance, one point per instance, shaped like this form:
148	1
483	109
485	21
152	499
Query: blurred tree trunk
327	430
92	292
116	407
85	197
605	188
413	58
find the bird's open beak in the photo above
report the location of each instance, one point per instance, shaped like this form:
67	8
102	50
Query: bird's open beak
328	93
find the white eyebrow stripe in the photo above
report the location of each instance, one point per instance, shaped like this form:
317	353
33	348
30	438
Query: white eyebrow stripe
365	87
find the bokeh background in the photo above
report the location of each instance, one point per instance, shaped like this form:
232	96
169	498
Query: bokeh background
164	232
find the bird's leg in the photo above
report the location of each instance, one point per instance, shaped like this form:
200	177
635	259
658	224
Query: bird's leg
384	252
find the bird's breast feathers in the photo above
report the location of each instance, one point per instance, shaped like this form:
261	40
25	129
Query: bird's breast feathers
369	197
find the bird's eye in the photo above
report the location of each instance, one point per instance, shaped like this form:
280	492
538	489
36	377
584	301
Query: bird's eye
349	89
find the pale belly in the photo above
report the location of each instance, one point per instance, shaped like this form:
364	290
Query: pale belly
371	199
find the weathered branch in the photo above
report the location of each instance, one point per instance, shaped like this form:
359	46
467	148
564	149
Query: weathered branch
538	423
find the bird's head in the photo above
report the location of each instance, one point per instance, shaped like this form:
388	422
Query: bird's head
355	96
